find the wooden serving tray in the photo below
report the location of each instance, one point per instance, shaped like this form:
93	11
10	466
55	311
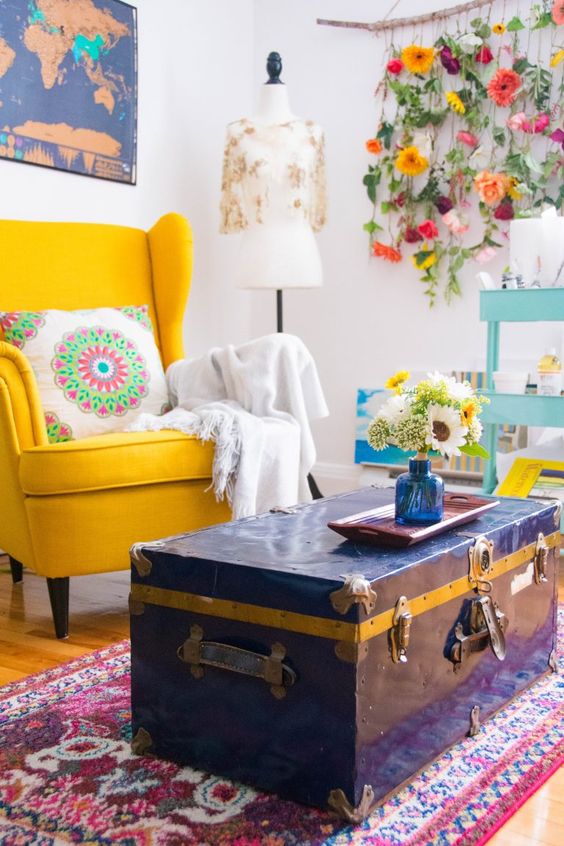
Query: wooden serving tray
378	526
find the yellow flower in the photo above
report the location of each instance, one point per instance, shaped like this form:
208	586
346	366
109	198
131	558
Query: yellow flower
455	102
417	59
424	259
468	412
556	59
499	29
395	382
411	162
512	189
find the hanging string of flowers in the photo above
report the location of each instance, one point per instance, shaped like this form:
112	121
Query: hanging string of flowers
504	112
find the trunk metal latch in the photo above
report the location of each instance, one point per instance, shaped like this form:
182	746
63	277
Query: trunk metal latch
481	564
541	559
487	625
399	633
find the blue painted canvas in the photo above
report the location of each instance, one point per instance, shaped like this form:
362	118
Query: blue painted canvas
68	85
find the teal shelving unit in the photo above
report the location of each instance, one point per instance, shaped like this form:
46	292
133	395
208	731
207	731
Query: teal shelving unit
521	306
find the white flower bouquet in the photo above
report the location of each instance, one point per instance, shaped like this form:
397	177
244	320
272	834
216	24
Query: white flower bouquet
437	415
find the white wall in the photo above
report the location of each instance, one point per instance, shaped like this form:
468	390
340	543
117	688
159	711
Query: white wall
195	70
201	65
370	319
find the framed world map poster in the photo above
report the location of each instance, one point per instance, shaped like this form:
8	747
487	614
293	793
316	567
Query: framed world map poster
68	85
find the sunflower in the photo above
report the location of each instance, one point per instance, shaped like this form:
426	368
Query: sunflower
468	411
498	29
384	251
455	102
445	432
418	59
411	162
395	382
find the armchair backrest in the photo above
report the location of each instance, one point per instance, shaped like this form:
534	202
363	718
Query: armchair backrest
90	265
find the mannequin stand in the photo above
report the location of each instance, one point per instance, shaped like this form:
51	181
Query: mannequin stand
313	488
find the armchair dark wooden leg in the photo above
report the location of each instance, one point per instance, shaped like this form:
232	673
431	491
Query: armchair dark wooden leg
17	570
59	596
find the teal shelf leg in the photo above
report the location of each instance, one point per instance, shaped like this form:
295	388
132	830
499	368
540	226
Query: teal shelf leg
492	353
490	472
490	476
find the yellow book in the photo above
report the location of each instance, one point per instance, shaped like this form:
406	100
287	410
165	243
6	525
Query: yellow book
525	472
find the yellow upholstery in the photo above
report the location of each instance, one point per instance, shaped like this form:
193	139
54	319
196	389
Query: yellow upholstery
76	507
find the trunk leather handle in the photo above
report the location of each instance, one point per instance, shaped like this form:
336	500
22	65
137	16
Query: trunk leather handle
201	653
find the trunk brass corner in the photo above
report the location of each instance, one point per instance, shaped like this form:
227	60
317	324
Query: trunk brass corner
475	727
136	607
356	590
351	653
338	802
142	742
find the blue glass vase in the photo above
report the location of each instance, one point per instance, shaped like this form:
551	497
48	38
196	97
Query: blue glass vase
419	494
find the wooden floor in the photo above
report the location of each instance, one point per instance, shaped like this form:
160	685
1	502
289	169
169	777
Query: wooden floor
99	617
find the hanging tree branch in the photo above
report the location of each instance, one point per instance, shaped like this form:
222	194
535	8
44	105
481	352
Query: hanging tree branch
379	26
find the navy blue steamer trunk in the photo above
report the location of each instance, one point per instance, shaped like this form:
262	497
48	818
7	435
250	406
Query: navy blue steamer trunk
272	651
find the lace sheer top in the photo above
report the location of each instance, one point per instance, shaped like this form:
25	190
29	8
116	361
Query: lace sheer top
272	169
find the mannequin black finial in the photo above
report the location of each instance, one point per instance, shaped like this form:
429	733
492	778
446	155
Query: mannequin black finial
274	69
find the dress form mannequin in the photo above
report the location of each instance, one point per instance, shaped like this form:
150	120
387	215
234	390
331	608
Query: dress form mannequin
274	191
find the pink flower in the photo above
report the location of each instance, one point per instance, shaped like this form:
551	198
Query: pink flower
517	121
540	123
467	138
428	229
484	56
455	223
394	66
558	12
485	255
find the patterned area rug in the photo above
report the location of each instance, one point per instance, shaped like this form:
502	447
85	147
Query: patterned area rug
67	775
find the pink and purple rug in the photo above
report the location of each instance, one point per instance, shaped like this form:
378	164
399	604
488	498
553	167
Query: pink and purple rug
67	776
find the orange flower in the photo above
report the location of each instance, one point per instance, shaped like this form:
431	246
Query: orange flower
504	86
374	146
384	251
491	187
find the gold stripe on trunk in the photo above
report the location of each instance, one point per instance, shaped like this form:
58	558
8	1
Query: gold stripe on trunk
322	626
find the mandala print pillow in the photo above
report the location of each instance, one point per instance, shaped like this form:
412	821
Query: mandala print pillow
96	369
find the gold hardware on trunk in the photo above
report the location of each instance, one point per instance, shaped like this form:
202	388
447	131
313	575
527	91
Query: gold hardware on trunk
481	564
487	625
135	606
139	559
355	590
339	803
223	656
142	742
540	559
399	633
474	721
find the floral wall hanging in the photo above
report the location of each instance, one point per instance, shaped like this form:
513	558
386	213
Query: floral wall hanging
472	120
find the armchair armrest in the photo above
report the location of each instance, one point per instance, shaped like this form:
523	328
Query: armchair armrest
21	412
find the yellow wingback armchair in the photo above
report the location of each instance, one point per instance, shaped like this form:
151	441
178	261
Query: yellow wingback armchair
74	508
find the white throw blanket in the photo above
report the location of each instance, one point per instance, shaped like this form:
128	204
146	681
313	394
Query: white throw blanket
255	402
